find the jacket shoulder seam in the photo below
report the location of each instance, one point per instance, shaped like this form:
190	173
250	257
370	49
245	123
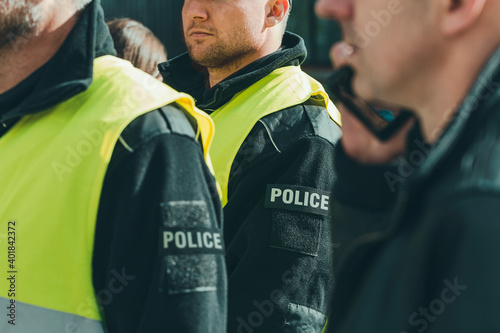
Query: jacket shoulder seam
268	130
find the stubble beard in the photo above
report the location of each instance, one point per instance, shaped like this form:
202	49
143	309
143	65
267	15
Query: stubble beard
18	18
222	53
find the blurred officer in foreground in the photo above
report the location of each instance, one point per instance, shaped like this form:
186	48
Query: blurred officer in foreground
110	214
418	217
273	157
136	43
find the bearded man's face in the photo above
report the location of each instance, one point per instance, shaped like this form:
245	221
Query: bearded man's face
18	18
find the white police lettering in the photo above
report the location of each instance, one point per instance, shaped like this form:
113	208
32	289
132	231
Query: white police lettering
207	240
300	198
314	200
191	240
324	202
297	198
217	242
275	193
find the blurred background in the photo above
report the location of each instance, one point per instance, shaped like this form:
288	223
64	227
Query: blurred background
163	17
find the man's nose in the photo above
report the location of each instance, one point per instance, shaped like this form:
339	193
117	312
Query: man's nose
195	10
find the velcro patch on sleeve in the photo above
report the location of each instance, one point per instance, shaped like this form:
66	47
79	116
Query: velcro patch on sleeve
298	198
187	229
192	248
295	232
184	274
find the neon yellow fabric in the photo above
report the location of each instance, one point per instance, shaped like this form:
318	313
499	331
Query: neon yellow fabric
283	88
325	329
51	175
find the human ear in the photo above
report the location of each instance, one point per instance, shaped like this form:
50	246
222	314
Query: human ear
460	15
276	12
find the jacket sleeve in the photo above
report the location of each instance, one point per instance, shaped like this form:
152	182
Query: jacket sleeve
158	262
280	256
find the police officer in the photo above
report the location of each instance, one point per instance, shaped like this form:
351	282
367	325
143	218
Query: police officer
101	165
273	157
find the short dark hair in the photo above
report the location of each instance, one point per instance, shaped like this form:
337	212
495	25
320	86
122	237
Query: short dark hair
136	43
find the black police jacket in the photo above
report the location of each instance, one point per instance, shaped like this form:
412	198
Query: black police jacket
419	241
135	292
279	261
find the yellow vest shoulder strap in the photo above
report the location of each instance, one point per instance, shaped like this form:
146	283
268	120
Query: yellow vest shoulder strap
150	93
283	88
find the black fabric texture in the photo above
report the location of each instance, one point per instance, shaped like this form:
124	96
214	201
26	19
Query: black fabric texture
165	168
274	257
426	264
291	232
157	160
276	251
15	96
292	147
374	187
373	193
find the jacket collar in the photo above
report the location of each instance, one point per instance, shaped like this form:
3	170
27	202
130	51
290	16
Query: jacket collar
181	74
482	99
70	70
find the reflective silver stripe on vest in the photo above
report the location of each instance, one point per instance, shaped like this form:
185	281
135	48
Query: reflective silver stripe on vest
30	319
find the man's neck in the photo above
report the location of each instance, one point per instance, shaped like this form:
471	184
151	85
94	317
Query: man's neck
442	98
26	54
216	75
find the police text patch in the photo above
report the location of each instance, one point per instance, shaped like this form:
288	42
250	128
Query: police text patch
190	241
188	229
298	198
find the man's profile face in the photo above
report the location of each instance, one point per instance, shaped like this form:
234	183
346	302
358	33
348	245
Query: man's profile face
18	18
220	32
391	42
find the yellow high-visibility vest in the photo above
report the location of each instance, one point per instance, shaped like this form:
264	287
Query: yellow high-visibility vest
283	88
52	168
